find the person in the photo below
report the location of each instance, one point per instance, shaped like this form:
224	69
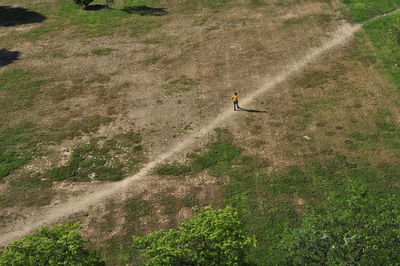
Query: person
235	100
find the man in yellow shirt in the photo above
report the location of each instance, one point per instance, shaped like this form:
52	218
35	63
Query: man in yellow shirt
235	100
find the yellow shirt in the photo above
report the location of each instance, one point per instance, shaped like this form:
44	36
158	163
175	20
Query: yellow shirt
235	98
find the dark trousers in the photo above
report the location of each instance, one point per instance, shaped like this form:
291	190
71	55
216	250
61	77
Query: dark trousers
236	105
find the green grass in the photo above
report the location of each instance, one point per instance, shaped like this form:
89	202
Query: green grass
47	29
179	85
18	146
362	10
217	160
285	3
142	214
149	3
136	207
68	130
172	205
17	79
64	14
313	79
23	142
258	3
27	191
385	35
267	202
190	201
321	19
249	191
173	170
19	88
194	5
101	52
294	21
104	22
118	250
109	161
60	54
152	60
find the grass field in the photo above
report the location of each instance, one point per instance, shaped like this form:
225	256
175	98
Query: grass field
118	86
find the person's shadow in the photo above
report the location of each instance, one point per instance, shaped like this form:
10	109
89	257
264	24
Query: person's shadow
250	110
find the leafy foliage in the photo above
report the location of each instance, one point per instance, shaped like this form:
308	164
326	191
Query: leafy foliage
212	237
59	245
358	228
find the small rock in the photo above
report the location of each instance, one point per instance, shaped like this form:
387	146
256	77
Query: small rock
306	138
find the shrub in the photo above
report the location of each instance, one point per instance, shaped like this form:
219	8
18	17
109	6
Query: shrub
355	229
212	237
59	245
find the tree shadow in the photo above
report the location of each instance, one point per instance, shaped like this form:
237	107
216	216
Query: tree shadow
95	7
145	10
13	16
251	111
7	57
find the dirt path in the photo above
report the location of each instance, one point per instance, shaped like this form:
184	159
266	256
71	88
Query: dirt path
74	205
381	16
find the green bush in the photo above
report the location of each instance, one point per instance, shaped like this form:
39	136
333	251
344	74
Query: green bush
355	229
212	237
59	245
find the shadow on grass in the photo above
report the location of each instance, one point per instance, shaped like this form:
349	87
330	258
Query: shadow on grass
7	57
95	7
251	110
145	11
13	16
